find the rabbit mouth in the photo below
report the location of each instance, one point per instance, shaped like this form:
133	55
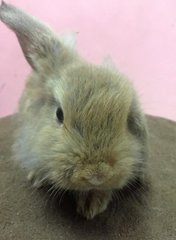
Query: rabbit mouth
89	187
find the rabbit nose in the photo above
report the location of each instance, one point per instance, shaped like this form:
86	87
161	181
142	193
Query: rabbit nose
95	181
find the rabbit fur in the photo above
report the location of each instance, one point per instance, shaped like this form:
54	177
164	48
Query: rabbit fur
100	145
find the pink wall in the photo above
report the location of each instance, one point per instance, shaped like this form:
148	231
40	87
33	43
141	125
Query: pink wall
139	35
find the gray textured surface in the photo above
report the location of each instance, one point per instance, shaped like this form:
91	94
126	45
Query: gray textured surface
26	214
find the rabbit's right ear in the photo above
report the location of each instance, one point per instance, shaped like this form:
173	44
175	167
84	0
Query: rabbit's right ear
39	43
108	63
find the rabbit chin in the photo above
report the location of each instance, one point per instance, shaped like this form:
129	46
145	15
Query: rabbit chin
104	187
116	183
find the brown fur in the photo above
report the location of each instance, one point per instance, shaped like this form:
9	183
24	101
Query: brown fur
101	145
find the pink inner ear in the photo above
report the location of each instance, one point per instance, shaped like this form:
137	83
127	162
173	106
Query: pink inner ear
139	35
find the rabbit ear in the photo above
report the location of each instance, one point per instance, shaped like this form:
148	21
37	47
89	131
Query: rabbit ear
39	43
108	63
69	39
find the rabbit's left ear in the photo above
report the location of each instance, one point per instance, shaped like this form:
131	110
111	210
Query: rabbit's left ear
39	43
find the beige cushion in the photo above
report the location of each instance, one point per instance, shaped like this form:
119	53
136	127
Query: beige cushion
26	213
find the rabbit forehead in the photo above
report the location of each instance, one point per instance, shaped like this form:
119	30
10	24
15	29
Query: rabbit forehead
83	81
94	100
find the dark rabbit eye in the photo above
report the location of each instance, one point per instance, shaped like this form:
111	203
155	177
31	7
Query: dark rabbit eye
60	115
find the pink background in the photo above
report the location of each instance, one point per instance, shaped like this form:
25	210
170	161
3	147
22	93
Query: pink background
140	35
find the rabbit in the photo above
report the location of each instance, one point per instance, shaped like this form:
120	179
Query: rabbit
80	125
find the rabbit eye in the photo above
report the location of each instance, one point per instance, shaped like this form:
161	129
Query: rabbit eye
60	115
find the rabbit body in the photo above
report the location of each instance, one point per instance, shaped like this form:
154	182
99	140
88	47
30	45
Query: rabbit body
81	127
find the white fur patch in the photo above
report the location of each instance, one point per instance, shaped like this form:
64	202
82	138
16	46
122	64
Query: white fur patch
68	39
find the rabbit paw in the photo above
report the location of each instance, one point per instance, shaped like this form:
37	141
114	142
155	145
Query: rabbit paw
91	204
